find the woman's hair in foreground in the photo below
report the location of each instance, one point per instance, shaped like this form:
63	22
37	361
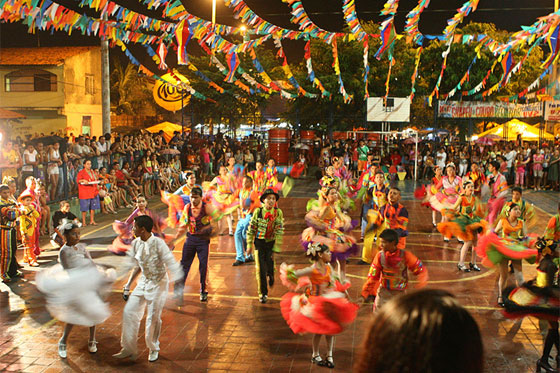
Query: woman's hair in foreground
425	331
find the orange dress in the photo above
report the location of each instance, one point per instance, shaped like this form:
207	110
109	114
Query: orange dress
323	308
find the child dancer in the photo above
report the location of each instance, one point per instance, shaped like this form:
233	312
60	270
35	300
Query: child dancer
195	220
477	177
265	233
511	246
396	215
73	286
224	197
123	229
248	201
323	308
498	191
329	225
28	221
527	210
8	242
464	222
152	258
388	275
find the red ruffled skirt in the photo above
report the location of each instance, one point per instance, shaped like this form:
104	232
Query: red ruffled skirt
327	314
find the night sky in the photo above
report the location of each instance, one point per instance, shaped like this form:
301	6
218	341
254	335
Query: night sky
506	14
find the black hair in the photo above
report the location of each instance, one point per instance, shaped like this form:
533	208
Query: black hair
144	221
517	189
395	188
248	178
390	235
63	203
319	249
197	191
496	165
4	187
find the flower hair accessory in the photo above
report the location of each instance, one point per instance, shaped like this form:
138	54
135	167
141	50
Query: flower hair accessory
314	248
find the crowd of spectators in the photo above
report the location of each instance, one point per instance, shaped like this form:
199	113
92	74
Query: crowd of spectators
527	164
145	163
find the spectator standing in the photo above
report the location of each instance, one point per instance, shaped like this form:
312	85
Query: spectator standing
30	161
88	193
53	171
104	149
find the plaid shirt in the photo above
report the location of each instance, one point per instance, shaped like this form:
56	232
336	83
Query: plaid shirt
266	225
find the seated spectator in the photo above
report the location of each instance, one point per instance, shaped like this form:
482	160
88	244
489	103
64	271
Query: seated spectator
63	213
425	331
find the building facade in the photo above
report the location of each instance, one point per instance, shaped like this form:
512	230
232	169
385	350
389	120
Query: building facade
57	89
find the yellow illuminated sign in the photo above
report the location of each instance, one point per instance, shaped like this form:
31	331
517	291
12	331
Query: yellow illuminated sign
168	95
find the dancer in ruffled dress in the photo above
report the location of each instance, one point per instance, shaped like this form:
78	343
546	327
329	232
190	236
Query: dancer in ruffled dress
465	222
498	191
527	209
177	200
73	288
540	298
373	222
512	244
330	226
323	308
122	242
223	195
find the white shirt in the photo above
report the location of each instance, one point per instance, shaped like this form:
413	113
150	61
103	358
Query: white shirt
510	157
31	157
440	159
154	259
102	149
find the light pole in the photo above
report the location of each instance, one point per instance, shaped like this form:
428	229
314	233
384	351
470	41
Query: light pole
213	13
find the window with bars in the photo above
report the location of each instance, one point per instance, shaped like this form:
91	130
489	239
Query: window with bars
32	80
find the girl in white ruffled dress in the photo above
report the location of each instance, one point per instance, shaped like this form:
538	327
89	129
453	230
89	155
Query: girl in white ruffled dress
73	287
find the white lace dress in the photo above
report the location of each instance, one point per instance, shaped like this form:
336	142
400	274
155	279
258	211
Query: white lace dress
74	294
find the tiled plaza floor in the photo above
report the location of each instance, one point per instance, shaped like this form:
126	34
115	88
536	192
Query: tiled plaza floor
233	331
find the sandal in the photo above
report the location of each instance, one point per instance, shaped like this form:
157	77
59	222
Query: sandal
317	360
463	268
329	362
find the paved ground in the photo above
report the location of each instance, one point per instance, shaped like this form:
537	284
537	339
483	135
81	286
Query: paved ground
233	332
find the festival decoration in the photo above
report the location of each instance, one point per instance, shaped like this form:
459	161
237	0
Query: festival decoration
412	21
351	18
300	17
415	73
310	73
177	27
347	98
388	33
282	56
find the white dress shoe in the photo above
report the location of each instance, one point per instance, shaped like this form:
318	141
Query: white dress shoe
92	346
122	354
62	350
153	356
